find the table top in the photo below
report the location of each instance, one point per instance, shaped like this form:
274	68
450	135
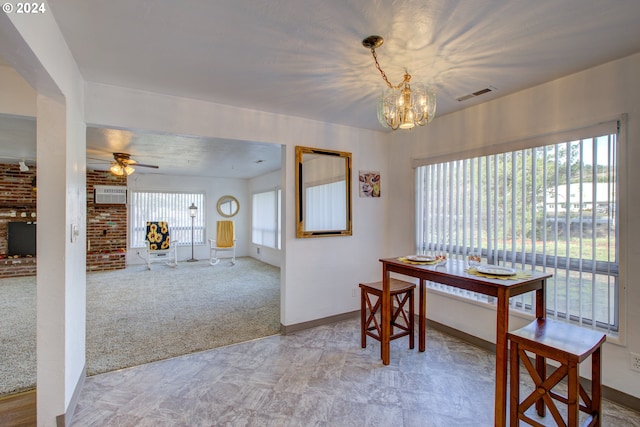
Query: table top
454	273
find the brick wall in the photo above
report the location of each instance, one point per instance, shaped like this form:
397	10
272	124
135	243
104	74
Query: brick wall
106	224
17	267
17	203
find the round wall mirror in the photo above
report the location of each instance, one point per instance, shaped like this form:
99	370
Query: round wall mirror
228	206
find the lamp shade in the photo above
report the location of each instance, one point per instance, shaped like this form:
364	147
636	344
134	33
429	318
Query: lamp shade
193	210
118	169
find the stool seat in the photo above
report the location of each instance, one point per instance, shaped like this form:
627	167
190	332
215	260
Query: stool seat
395	286
565	343
558	339
403	294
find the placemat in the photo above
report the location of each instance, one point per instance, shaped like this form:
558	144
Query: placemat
518	275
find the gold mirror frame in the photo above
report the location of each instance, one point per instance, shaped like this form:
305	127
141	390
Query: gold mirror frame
318	167
230	200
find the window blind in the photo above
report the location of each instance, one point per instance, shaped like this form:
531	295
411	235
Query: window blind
266	217
171	207
551	208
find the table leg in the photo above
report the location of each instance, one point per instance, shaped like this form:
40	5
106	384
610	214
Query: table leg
385	317
502	327
422	317
541	363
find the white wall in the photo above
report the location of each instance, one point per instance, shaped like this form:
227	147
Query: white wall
18	98
319	274
599	94
36	47
213	188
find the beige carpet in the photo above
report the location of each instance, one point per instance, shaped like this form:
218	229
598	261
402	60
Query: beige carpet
135	316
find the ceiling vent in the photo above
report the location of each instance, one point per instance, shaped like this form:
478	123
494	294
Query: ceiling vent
477	93
110	195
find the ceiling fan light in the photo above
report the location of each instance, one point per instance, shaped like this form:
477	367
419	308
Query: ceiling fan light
116	169
120	170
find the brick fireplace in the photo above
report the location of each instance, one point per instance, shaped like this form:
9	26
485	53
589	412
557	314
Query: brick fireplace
106	224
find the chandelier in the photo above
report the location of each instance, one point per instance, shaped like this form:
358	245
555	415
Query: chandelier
404	105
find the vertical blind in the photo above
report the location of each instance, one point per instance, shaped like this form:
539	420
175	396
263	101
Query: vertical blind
551	208
170	207
266	219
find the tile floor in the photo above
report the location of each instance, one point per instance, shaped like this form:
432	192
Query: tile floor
316	377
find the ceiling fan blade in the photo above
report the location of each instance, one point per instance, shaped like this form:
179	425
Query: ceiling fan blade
96	160
125	159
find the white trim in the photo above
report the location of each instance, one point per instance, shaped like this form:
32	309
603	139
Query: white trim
607	127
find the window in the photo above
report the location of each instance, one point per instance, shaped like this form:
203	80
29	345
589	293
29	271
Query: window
549	207
266	215
170	207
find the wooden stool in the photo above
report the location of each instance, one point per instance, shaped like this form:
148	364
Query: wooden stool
401	292
569	345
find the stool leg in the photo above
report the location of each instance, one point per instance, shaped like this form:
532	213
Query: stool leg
363	318
514	400
596	386
411	320
541	368
573	394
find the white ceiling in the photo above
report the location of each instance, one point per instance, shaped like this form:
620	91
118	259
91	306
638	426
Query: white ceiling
306	59
183	155
174	154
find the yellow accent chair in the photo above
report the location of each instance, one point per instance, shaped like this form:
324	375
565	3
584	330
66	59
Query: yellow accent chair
160	247
225	241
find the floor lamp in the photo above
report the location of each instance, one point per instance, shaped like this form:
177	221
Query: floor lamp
193	211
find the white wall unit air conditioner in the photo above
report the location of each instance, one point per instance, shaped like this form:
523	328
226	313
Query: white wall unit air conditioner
110	195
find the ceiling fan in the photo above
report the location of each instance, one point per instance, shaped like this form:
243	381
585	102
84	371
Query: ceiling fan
123	164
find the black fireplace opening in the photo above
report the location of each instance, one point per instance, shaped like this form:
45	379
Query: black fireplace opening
21	239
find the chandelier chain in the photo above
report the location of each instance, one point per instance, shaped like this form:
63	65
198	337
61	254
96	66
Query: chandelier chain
407	77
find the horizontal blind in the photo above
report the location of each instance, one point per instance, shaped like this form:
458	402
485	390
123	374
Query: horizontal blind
551	208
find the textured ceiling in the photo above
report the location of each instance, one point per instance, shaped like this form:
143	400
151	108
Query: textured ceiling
306	59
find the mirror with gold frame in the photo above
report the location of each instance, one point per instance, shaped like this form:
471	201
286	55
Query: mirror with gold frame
228	206
323	192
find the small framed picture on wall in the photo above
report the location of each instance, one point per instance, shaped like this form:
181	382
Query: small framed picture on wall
369	184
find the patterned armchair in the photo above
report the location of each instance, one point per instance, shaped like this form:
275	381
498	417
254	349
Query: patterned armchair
160	246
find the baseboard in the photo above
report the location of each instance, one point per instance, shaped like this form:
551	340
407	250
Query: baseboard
608	393
471	339
289	329
64	420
